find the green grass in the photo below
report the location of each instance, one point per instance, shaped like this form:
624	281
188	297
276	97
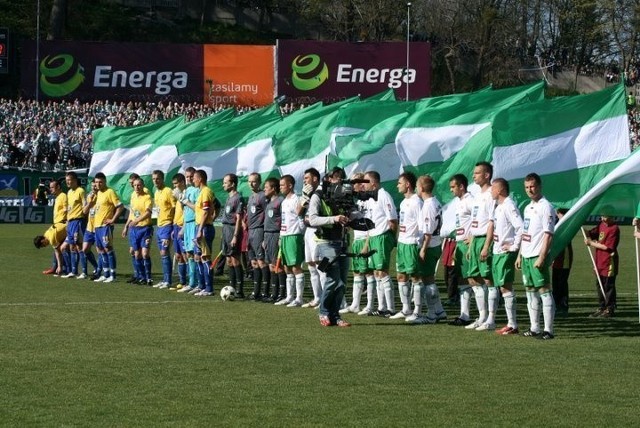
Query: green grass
74	353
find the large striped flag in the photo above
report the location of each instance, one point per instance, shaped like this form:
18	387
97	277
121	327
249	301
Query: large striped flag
571	142
450	135
295	140
434	136
616	194
239	145
120	151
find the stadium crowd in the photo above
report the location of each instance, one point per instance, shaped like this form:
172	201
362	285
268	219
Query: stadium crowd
481	240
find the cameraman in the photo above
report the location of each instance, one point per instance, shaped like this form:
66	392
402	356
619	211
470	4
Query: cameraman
331	247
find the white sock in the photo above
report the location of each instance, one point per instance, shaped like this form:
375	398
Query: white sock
382	304
548	311
435	293
405	297
492	300
465	302
299	280
510	308
418	291
433	301
316	285
533	305
481	303
358	281
371	290
291	284
389	295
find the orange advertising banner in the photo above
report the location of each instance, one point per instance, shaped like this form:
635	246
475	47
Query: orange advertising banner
239	75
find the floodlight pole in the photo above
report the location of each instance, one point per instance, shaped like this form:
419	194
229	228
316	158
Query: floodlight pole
406	72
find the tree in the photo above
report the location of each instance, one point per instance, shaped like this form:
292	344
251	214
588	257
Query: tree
57	19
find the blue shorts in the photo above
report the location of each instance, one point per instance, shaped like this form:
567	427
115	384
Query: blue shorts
89	237
189	234
164	236
74	231
104	237
140	237
177	239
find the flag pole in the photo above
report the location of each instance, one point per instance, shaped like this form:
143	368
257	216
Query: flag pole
637	270
595	268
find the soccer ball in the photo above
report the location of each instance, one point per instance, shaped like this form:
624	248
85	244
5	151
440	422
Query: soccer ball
227	293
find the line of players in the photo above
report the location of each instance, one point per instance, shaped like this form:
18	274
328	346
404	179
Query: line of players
491	240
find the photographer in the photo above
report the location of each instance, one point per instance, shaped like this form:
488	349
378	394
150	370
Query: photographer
331	223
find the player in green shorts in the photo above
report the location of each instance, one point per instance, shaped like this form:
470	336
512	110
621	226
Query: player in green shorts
539	223
480	240
408	266
507	235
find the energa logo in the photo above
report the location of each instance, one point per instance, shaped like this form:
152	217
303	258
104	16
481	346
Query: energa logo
309	72
60	75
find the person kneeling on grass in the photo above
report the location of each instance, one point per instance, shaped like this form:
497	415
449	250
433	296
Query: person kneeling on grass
54	236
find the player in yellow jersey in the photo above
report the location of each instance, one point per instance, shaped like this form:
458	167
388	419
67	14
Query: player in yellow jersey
165	203
108	209
206	211
59	218
54	236
135	278
179	183
140	231
89	237
75	222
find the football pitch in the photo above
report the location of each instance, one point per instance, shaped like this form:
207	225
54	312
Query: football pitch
77	353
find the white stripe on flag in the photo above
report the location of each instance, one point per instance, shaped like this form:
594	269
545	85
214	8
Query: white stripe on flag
297	168
342	131
137	159
214	162
385	161
592	144
257	156
417	146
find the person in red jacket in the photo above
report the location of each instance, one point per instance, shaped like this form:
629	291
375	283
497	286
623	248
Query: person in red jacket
605	238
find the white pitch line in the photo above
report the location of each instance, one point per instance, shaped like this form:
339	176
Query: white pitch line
165	302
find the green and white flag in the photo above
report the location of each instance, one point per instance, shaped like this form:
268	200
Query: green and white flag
300	140
240	145
571	142
120	151
616	195
449	135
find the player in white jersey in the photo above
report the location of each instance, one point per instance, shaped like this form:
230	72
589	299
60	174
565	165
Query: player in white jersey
360	265
408	264
430	252
539	223
507	235
292	243
311	183
381	239
480	241
463	205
